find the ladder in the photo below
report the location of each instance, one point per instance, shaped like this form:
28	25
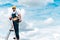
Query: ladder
9	32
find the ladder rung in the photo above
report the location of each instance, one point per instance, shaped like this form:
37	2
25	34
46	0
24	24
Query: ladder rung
11	30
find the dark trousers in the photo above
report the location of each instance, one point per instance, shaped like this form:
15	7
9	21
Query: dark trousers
16	28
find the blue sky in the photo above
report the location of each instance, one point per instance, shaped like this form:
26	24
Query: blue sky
40	19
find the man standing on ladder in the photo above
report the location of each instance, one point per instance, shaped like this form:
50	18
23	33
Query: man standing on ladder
16	18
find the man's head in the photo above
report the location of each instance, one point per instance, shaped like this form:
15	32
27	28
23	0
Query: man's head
14	8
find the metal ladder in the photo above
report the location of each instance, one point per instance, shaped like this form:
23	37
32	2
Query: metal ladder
9	33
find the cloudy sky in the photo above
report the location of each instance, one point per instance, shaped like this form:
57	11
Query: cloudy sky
40	19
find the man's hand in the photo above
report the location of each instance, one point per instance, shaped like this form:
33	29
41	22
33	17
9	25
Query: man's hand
20	20
10	18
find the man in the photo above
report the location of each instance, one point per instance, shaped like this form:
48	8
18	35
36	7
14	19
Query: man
16	18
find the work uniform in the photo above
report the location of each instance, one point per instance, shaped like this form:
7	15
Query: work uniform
16	24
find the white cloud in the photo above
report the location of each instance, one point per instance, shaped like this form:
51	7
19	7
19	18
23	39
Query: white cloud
26	26
50	1
28	3
42	23
49	21
35	2
41	34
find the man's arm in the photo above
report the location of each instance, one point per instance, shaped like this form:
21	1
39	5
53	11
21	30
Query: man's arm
19	15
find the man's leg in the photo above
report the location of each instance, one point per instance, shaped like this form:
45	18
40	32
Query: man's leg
16	28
